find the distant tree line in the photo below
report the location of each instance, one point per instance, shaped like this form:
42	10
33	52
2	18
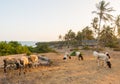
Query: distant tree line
14	47
104	28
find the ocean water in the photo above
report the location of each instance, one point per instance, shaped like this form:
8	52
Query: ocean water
28	43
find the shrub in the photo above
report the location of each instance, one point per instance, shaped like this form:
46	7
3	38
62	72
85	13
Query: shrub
116	49
85	48
43	48
12	47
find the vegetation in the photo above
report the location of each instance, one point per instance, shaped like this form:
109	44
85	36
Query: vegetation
43	48
104	28
103	12
12	47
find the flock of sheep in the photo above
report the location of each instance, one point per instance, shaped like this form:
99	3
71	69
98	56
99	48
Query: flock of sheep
34	60
24	62
103	58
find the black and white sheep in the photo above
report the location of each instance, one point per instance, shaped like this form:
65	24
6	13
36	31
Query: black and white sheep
102	57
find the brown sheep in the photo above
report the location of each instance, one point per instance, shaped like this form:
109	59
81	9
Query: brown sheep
24	62
33	59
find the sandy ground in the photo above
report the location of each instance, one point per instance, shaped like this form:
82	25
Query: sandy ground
71	71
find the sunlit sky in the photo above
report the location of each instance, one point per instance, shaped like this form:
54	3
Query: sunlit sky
45	20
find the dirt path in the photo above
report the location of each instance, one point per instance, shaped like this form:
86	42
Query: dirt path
71	71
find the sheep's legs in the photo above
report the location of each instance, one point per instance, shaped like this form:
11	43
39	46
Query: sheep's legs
5	67
98	62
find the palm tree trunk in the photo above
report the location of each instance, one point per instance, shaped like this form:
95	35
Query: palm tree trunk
98	38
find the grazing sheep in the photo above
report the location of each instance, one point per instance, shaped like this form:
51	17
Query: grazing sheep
33	59
24	62
102	57
107	55
66	56
79	55
10	62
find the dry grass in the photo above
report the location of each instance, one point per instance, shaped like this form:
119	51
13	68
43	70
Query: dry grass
71	71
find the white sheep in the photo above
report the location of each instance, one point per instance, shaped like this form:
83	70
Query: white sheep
79	55
102	57
66	56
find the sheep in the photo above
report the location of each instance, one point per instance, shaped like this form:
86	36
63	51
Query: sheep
79	55
10	62
25	64
107	55
102	57
66	55
33	59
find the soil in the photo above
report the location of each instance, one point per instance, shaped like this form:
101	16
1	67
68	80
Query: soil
70	71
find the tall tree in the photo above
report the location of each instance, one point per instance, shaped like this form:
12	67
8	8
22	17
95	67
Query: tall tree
105	41
87	33
117	23
69	37
79	38
95	26
103	12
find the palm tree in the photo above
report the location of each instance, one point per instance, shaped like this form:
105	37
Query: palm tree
103	14
95	25
117	23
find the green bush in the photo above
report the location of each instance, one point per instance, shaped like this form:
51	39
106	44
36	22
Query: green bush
43	48
12	47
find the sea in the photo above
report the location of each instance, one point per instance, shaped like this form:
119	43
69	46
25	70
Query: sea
28	43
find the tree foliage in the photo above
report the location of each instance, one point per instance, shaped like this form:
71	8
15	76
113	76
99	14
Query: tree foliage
12	47
103	12
70	38
43	48
107	37
87	34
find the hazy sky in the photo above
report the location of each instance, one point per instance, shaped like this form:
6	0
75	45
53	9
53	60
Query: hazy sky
45	20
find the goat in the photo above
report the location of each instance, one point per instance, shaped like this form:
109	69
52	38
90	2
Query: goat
24	62
33	59
79	55
66	55
11	63
102	57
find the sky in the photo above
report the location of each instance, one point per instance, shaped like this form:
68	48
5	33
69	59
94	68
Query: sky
45	20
